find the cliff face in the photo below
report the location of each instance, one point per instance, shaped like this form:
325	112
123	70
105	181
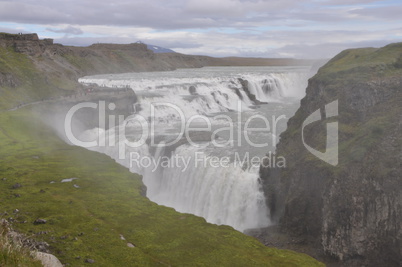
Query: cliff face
24	43
32	69
354	209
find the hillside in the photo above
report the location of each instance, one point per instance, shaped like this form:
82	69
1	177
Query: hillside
80	205
32	69
103	215
352	208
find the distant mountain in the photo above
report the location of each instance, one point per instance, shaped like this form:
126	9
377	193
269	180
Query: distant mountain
157	49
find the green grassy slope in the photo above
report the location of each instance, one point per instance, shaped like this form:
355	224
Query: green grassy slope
364	63
336	205
23	82
87	222
54	72
12	253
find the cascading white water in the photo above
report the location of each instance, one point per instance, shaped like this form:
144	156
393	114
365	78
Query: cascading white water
177	175
217	93
227	195
224	195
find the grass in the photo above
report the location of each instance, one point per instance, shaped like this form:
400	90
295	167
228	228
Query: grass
364	63
12	253
30	84
87	222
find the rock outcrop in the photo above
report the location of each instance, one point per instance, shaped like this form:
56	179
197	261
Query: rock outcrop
48	260
29	44
9	80
354	209
251	96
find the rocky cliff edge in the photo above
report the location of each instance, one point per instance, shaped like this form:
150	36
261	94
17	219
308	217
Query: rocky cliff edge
352	208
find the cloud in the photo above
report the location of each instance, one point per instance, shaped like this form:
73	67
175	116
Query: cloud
270	43
220	28
181	14
68	30
384	13
13	30
349	2
324	50
28	13
158	14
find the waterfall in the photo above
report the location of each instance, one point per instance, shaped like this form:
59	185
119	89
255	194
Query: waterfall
186	181
209	94
178	175
222	195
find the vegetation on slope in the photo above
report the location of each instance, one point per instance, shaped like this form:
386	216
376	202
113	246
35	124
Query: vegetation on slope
21	81
86	221
88	218
364	63
12	252
352	209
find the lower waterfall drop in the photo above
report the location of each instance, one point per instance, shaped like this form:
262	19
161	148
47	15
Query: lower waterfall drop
178	175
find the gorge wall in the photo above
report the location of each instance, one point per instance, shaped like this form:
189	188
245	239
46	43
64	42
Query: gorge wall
32	69
353	209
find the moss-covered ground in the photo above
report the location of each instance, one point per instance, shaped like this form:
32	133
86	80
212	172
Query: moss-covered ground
363	64
25	82
12	252
87	222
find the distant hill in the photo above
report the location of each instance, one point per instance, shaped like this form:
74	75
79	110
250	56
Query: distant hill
32	69
156	49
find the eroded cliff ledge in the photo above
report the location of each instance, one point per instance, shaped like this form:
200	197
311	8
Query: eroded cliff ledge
354	209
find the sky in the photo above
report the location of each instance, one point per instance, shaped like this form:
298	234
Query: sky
248	28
